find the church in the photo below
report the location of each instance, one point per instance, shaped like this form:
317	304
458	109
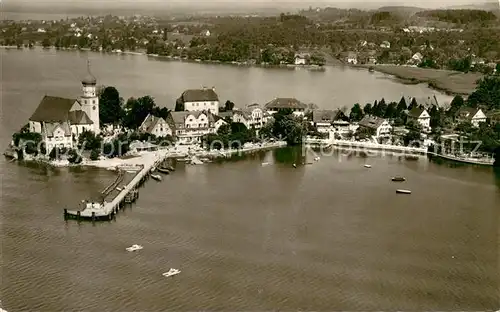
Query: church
61	120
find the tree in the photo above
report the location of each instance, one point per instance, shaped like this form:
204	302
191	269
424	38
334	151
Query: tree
356	113
413	104
391	111
487	93
46	43
89	140
401	105
179	105
497	157
161	112
412	138
288	127
455	105
74	157
136	110
110	106
228	106
367	109
436	118
94	154
497	69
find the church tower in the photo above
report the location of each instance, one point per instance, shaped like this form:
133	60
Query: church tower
89	99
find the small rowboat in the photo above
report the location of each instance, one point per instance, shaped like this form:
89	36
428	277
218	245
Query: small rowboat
171	272
368	166
403	191
134	248
398	179
156	177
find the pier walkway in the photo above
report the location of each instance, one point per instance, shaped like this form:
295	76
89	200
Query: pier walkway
107	210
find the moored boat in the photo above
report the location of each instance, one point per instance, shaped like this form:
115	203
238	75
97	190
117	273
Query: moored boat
368	166
163	170
156	177
134	247
400	191
398	179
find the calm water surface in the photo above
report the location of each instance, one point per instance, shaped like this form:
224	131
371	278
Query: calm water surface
327	236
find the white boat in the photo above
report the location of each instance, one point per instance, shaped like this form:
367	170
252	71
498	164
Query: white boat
156	177
171	272
403	191
368	166
134	248
316	158
196	161
265	163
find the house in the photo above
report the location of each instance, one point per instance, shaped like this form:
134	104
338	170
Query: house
189	126
198	100
156	126
298	108
416	58
218	122
471	115
252	116
385	45
137	146
352	58
421	116
57	134
301	59
379	126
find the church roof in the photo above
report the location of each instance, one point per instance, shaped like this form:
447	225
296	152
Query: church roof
79	117
89	79
53	109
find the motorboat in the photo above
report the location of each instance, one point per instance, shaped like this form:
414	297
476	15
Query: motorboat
398	179
171	272
368	166
403	191
134	247
156	177
316	158
265	163
294	165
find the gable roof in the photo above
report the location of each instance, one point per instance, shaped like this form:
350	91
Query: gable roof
282	103
199	95
371	122
467	112
50	127
150	123
323	116
53	109
178	118
79	117
416	112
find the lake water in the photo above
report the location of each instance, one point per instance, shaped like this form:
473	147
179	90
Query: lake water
327	236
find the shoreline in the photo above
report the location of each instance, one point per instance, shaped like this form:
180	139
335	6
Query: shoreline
442	80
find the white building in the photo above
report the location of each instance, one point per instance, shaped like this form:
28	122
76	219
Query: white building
198	100
297	107
352	58
330	120
57	135
380	126
189	127
252	116
90	100
421	116
300	59
385	45
156	126
475	116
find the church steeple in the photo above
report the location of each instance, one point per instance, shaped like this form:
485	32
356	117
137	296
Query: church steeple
89	79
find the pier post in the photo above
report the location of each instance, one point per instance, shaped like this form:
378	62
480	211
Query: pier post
65	214
93	216
78	215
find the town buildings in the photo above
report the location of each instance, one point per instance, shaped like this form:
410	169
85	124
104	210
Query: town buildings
156	126
189	126
421	117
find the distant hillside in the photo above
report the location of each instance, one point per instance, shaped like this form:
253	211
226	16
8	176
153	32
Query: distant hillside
401	9
459	16
489	6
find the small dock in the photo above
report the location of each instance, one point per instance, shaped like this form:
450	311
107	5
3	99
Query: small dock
114	197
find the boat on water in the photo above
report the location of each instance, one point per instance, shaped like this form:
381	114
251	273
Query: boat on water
398	179
195	161
294	165
134	247
265	164
171	272
316	158
163	170
156	177
368	166
400	191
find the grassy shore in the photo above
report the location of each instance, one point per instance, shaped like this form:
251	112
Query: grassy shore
450	82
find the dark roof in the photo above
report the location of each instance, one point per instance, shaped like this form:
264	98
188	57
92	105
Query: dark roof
226	114
177	119
53	108
281	103
371	122
199	95
467	112
89	79
416	112
79	117
323	116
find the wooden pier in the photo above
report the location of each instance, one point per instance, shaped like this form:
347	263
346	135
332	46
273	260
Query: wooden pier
106	211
